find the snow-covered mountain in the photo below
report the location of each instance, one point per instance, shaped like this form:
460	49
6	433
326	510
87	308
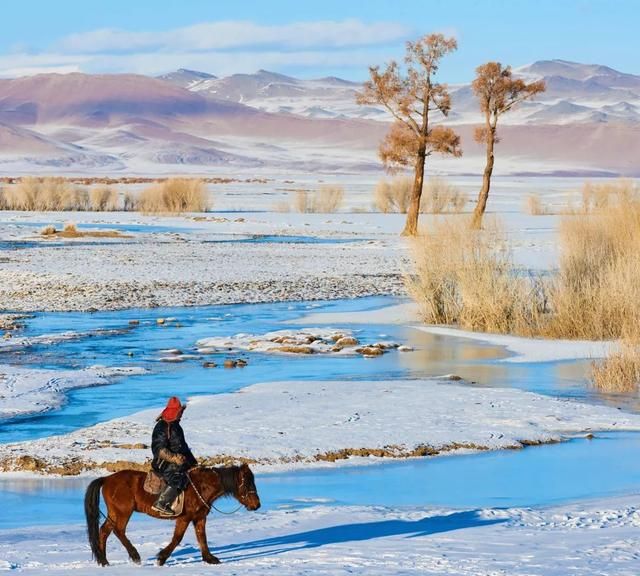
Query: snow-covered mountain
576	93
588	121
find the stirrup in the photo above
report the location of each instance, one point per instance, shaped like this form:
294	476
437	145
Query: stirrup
167	512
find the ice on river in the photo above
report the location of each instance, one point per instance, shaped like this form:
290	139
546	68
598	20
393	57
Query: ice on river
302	424
598	537
29	390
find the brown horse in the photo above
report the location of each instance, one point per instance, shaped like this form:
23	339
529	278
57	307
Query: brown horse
124	494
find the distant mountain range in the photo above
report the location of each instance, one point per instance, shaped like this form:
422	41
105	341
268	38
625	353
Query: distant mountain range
587	122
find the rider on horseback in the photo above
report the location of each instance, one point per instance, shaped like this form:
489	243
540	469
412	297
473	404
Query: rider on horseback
171	455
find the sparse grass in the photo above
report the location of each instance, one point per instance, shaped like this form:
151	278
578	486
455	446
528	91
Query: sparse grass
175	195
394	195
467	278
326	200
48	230
439	197
620	372
282	206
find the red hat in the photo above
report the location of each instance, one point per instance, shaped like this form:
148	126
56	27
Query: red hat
173	411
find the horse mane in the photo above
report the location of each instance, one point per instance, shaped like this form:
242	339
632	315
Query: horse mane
227	476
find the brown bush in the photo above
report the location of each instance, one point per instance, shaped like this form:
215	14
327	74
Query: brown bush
620	372
466	277
175	195
326	200
438	197
394	195
103	199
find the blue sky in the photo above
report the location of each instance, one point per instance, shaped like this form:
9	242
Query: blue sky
306	38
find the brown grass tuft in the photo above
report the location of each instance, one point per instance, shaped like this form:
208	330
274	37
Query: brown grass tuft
596	294
175	195
394	195
103	199
534	206
326	200
467	278
620	372
439	197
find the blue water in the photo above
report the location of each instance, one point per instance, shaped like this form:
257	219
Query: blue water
534	476
576	469
122	227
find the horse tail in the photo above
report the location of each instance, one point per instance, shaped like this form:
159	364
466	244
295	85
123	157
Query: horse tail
92	512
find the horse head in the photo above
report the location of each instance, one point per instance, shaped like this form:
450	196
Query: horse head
245	489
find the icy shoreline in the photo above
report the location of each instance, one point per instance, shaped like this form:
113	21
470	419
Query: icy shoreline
293	425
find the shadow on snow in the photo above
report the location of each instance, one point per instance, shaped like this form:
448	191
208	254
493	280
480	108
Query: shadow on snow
354	533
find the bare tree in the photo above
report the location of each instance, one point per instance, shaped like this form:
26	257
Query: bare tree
498	92
411	96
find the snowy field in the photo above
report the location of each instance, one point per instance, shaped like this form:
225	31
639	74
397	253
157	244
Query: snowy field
593	538
338	409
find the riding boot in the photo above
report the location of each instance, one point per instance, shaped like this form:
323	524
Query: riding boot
164	501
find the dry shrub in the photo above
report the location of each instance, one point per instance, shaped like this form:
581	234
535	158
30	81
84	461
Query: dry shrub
534	206
596	294
326	200
393	196
70	229
439	197
466	277
103	199
175	195
48	230
46	194
620	372
601	196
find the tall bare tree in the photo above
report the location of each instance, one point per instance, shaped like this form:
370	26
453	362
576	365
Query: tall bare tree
411	95
498	92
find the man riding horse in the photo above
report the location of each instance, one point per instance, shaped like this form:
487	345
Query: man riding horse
172	457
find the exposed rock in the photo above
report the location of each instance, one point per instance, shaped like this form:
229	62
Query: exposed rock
209	364
230	363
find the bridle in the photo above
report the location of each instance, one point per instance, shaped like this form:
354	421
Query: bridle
212	506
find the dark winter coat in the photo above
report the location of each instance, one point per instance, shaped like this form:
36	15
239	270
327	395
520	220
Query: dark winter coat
169	436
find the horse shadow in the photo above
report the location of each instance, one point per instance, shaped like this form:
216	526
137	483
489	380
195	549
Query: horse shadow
356	532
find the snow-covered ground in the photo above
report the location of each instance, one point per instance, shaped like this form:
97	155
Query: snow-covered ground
303	424
27	390
594	538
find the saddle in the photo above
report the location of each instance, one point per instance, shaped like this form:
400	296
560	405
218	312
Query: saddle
154	484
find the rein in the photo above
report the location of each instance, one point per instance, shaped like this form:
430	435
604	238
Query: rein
210	506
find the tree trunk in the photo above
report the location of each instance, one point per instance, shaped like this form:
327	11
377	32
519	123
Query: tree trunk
411	225
483	196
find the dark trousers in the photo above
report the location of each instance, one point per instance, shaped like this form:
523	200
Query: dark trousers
174	475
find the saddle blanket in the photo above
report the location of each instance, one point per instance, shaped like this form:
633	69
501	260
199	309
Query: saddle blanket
154	484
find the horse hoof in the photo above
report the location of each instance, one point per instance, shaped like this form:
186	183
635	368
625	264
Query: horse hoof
211	560
161	561
136	560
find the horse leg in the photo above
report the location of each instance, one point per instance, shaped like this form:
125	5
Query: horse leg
120	531
105	531
200	526
178	533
